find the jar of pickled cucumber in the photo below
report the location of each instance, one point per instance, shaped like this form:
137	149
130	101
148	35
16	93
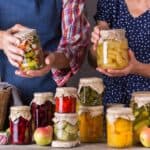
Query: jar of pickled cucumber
112	50
119	127
140	104
91	124
33	58
90	91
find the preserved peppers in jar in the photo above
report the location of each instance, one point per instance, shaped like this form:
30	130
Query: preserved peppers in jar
90	91
20	125
91	124
65	99
112	51
141	108
33	58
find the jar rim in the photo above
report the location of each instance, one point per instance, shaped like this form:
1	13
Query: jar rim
91	108
90	80
66	115
43	94
141	94
20	108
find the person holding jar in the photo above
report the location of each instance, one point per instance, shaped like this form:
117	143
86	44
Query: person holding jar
63	31
134	17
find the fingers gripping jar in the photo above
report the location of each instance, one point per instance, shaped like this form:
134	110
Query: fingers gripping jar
112	51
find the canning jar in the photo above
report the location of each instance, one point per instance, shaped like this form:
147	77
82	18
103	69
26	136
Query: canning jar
42	109
90	91
119	127
141	108
65	99
91	124
20	125
33	58
112	50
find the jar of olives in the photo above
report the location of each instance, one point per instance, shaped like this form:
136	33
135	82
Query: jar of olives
90	91
119	127
112	50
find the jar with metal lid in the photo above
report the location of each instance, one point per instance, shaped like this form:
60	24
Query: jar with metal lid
91	124
42	109
140	104
20	125
33	58
119	127
90	91
65	99
112	50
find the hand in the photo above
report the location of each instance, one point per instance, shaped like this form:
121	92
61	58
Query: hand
130	69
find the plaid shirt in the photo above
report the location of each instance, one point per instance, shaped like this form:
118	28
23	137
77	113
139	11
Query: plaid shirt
74	40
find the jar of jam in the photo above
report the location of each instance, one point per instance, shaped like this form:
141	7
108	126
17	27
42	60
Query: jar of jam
112	51
33	58
42	109
119	127
65	99
91	124
20	125
140	104
90	91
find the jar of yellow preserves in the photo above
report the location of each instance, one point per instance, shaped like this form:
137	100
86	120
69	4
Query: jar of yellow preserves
112	51
91	124
119	127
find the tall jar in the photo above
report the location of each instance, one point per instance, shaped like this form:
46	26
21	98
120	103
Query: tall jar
90	91
65	99
91	124
42	109
112	51
20	125
141	108
119	127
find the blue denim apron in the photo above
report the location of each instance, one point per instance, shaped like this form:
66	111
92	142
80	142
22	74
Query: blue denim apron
43	15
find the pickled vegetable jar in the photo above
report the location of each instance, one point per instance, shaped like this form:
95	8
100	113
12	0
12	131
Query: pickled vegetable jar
33	56
90	91
112	51
141	109
65	99
91	124
66	127
119	127
20	125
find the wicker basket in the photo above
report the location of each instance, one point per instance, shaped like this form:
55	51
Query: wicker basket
4	101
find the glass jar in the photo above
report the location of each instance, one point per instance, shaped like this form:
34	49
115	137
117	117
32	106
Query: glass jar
91	124
119	127
141	108
90	91
66	127
20	125
65	99
112	51
42	109
33	58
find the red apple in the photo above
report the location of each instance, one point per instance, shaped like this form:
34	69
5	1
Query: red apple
43	135
145	137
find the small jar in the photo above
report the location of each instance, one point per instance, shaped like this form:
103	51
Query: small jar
65	99
42	109
140	104
91	124
33	58
112	51
20	125
90	91
119	127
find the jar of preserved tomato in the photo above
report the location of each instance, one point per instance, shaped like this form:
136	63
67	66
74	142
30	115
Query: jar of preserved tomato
90	91
119	127
91	124
42	109
65	99
112	51
33	58
140	104
20	125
